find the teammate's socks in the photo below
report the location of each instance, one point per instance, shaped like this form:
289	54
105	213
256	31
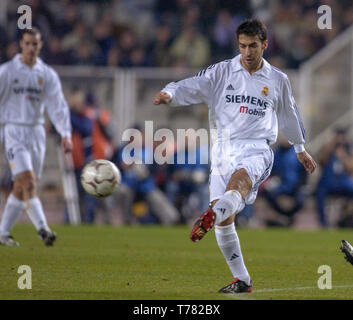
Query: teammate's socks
36	214
12	211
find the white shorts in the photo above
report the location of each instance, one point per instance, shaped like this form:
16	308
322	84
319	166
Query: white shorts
255	156
24	147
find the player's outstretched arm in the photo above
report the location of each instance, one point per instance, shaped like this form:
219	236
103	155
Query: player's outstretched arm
307	161
161	98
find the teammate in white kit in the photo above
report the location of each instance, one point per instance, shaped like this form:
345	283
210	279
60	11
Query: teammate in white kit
248	98
27	87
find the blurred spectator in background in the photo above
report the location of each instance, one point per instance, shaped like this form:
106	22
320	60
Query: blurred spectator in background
102	132
102	148
55	54
127	42
109	34
191	47
11	50
288	178
158	49
187	183
336	160
138	186
86	54
71	41
82	127
159	171
3	43
138	57
66	16
104	37
223	35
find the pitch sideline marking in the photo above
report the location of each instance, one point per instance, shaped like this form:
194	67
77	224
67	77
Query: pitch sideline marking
239	297
298	288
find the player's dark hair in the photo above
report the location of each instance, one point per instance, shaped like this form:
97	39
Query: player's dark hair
33	31
251	28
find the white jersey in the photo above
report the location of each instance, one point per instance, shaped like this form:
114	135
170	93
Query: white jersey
247	106
25	92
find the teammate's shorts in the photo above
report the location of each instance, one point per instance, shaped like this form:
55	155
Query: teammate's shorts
255	156
24	147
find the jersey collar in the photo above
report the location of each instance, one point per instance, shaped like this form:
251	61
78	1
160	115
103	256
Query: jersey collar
264	71
20	65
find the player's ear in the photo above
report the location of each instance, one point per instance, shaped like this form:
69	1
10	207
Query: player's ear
265	45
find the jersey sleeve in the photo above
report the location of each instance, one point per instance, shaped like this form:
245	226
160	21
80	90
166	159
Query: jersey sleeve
288	117
58	110
192	90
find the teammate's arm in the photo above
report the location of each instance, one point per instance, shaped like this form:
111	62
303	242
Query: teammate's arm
292	126
58	111
4	83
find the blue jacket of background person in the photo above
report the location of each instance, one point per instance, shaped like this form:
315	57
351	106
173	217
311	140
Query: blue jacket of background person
334	174
130	177
289	169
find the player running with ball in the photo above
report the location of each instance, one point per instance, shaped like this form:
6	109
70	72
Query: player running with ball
27	86
248	98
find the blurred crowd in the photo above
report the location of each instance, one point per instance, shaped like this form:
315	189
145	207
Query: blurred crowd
173	33
287	191
177	191
182	33
149	193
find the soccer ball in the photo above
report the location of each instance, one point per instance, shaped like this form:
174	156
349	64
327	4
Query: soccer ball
100	178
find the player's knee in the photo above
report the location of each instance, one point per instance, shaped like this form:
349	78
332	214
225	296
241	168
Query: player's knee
17	190
241	182
30	187
26	182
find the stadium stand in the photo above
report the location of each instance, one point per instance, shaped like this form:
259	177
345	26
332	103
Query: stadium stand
122	51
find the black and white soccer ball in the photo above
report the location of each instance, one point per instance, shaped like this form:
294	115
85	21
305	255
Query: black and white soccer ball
100	178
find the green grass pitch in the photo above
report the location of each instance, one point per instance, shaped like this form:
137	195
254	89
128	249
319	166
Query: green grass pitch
153	262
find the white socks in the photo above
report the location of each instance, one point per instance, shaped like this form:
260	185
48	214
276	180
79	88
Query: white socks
231	202
36	214
229	244
12	211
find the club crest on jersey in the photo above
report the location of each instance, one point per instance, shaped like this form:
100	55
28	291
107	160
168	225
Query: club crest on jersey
40	81
264	91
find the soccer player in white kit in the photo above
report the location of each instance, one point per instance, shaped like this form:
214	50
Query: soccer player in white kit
248	99
27	87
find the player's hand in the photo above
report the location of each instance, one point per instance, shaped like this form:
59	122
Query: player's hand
307	161
161	98
66	144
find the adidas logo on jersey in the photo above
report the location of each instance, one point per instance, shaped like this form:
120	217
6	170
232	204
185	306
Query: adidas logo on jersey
230	87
